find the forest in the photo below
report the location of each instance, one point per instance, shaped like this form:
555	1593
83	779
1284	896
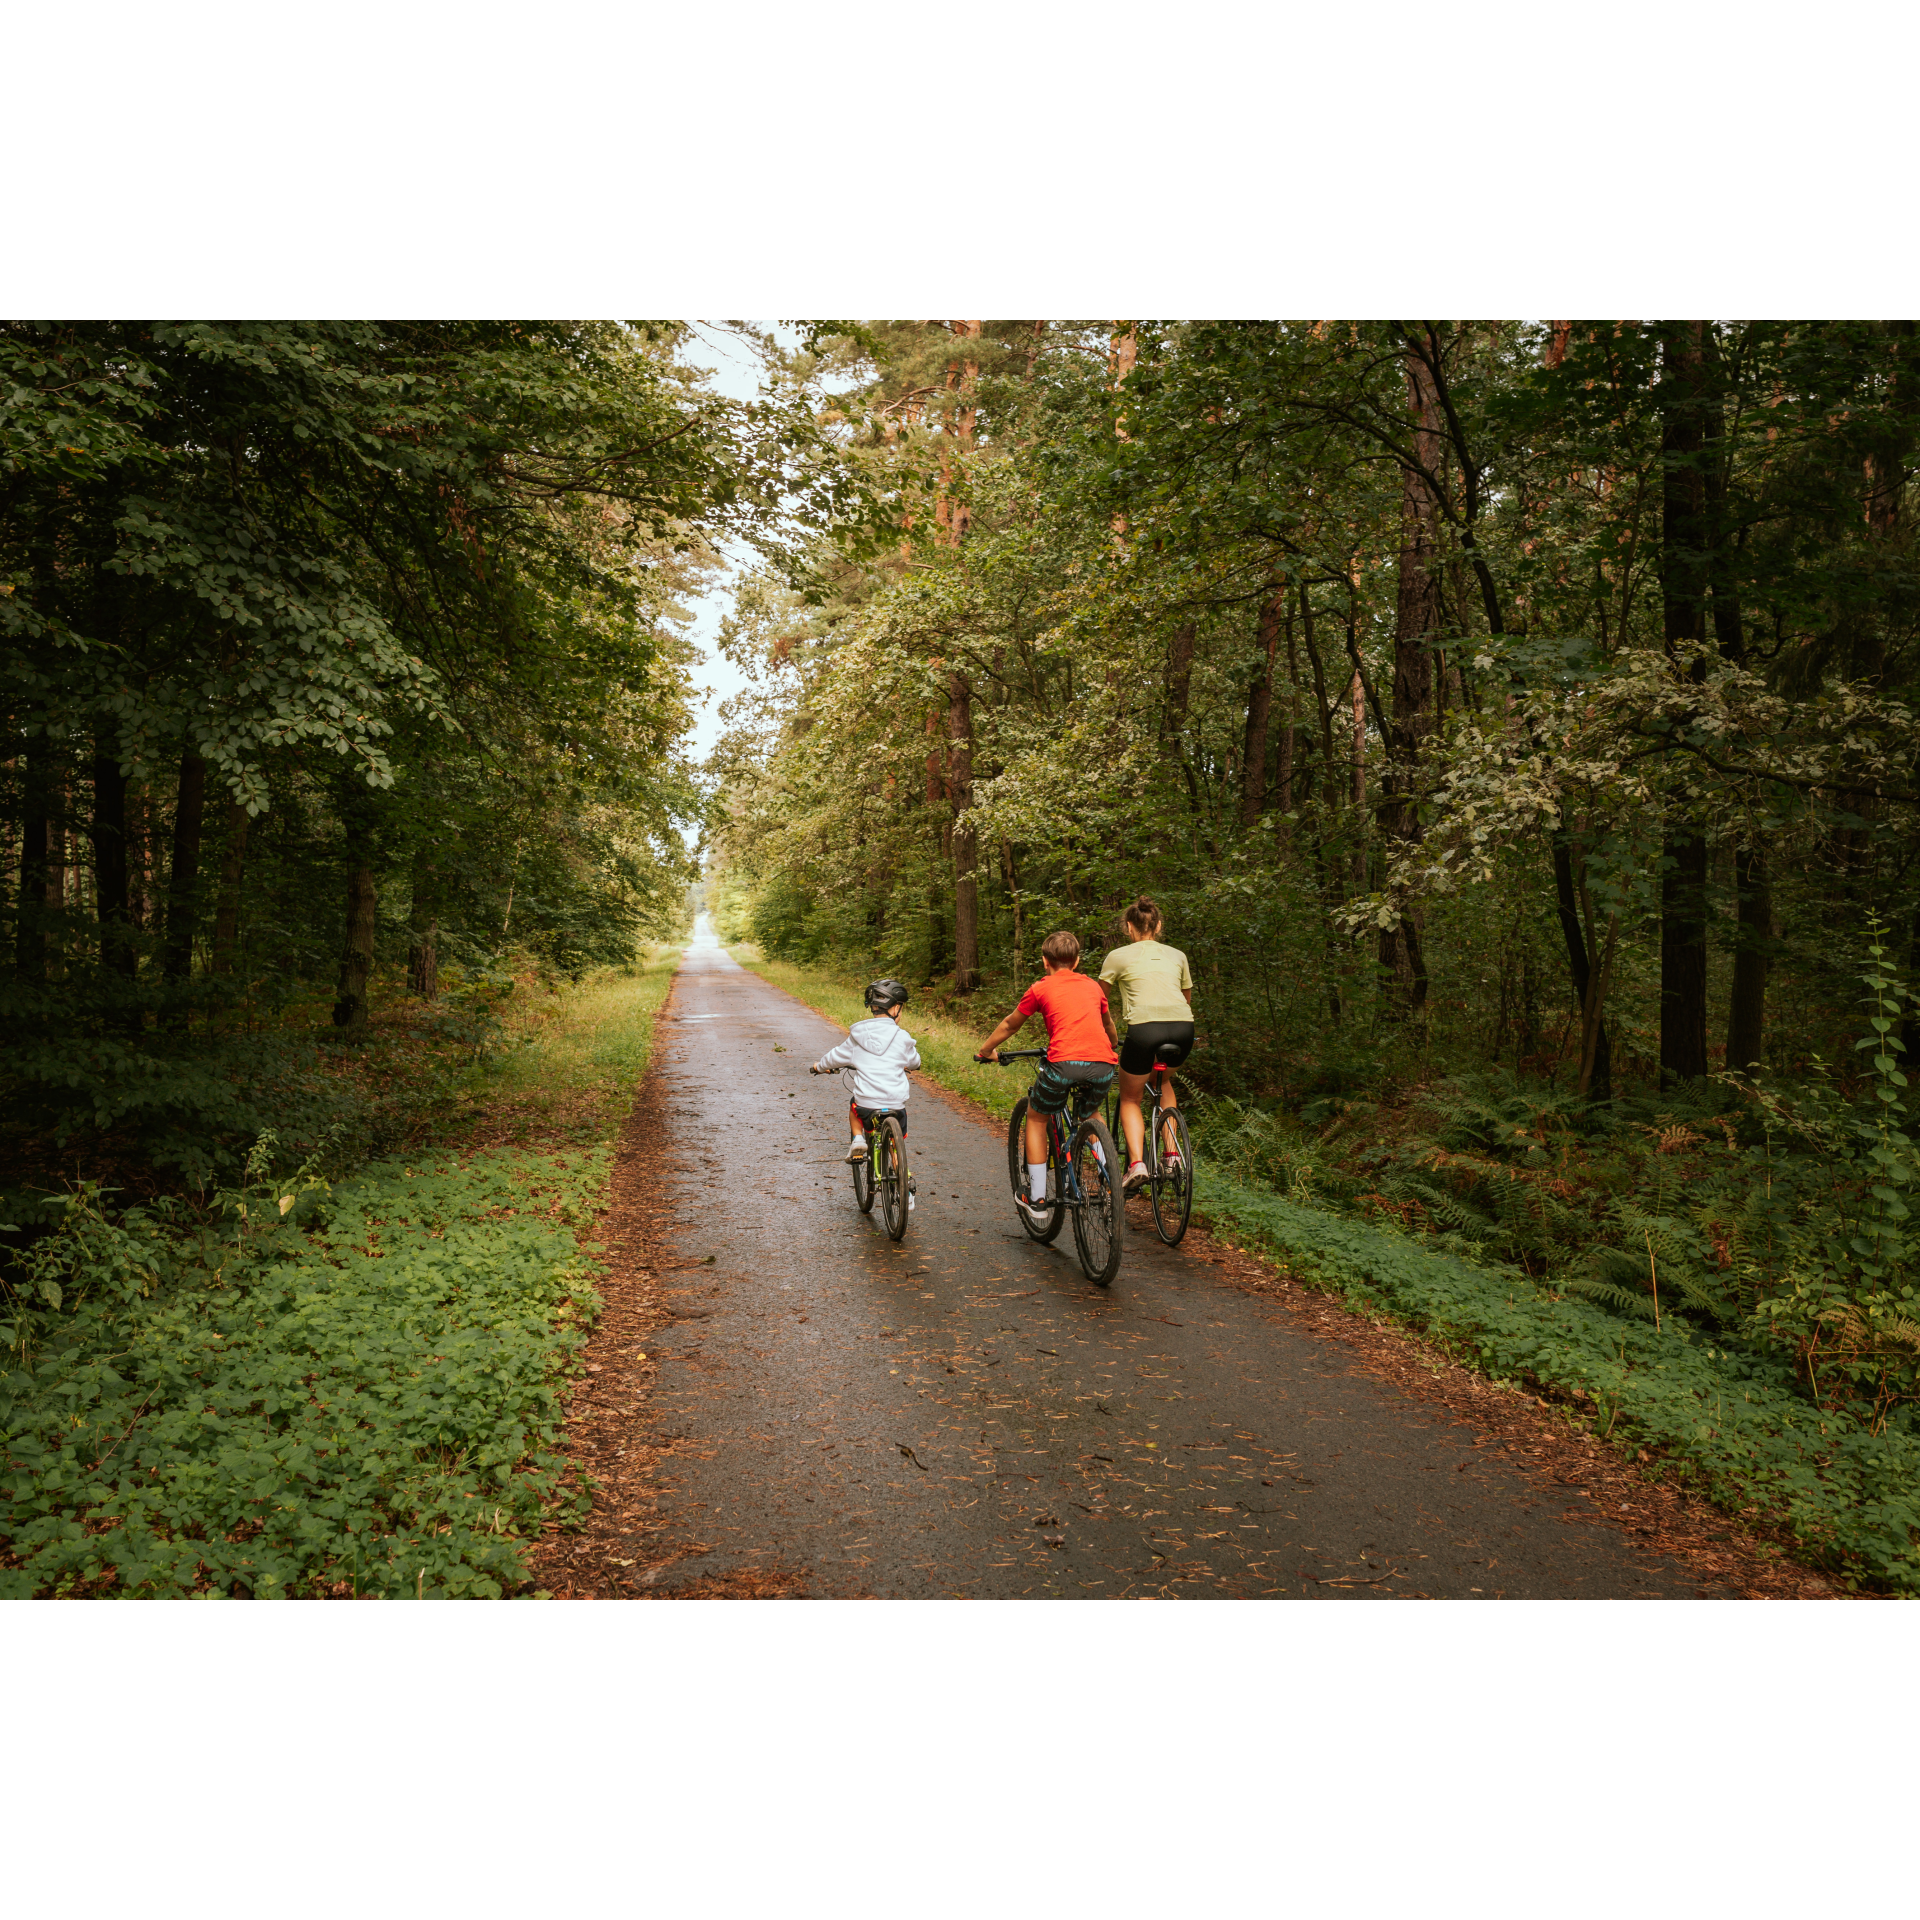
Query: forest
1513	720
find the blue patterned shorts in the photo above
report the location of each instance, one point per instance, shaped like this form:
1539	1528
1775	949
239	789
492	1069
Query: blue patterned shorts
1084	1082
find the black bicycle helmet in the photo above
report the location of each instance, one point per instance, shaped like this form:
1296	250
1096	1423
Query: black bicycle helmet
882	994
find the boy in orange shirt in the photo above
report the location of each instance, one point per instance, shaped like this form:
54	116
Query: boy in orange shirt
1082	1051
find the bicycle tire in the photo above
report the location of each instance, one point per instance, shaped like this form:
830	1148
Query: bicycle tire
1100	1221
1017	1178
892	1178
1172	1192
863	1187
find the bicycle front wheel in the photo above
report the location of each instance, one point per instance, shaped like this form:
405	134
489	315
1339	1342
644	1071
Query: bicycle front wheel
1017	1178
1172	1175
892	1178
1100	1221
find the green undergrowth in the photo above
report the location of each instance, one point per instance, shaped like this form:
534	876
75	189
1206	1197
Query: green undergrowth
369	1404
307	1389
1733	1421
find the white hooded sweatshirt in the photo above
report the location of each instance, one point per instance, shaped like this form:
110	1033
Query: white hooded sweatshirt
877	1054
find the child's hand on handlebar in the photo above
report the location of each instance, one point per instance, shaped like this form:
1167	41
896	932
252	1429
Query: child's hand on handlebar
990	1058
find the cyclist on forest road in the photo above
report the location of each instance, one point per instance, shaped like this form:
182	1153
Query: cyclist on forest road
1081	1051
1156	996
879	1053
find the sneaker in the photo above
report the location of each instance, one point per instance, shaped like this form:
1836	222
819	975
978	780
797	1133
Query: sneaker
909	1193
1173	1166
857	1150
1136	1177
1039	1216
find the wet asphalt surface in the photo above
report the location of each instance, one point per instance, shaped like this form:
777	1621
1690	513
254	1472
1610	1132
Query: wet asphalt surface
964	1415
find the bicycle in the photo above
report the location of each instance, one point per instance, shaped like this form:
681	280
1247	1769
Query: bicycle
1167	1150
1082	1180
884	1172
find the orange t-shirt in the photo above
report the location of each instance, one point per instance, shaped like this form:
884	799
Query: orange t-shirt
1071	1004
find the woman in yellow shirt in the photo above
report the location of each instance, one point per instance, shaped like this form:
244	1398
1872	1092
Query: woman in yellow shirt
1156	1000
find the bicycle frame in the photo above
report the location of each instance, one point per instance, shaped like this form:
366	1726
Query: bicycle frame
1067	1182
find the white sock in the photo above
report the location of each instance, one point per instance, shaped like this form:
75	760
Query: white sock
1037	1183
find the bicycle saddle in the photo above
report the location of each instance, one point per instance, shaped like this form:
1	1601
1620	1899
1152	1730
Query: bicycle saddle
1167	1054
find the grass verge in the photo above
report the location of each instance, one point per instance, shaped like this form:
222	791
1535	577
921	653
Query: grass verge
354	1391
1734	1425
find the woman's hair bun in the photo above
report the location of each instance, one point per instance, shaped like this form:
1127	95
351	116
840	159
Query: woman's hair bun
1143	915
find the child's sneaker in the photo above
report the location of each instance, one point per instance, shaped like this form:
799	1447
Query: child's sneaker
1036	1216
857	1149
909	1193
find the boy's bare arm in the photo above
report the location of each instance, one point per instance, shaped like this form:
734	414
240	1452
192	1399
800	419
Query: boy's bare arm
1106	1020
1000	1035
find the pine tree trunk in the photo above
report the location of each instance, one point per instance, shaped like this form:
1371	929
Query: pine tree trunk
966	885
233	868
1411	714
356	959
1180	679
183	875
112	877
30	927
1253	787
1683	573
423	947
1746	1003
1599	1071
1013	895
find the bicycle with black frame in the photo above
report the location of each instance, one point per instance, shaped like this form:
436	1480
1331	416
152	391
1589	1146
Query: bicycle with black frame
1168	1148
1083	1180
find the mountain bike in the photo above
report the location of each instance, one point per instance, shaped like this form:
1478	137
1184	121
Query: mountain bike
1083	1179
1168	1152
884	1173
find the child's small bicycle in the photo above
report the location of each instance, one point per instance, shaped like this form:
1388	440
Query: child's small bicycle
1083	1179
884	1173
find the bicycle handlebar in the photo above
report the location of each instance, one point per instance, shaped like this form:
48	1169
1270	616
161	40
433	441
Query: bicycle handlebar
1024	1053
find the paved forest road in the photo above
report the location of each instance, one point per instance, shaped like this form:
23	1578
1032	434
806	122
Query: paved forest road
1170	1437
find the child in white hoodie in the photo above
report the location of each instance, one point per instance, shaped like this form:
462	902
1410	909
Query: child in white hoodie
879	1053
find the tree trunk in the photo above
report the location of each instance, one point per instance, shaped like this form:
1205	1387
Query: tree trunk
1746	1003
1683	578
1013	895
423	947
966	885
183	875
1253	789
112	879
1180	679
1410	717
1599	1068
30	927
356	958
233	868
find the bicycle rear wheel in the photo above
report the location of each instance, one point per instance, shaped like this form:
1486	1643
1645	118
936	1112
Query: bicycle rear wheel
892	1178
863	1188
1100	1221
1172	1181
1017	1178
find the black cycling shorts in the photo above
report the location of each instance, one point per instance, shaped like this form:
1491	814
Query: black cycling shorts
1084	1082
871	1116
1137	1050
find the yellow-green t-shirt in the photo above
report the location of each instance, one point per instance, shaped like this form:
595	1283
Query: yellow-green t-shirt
1150	978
